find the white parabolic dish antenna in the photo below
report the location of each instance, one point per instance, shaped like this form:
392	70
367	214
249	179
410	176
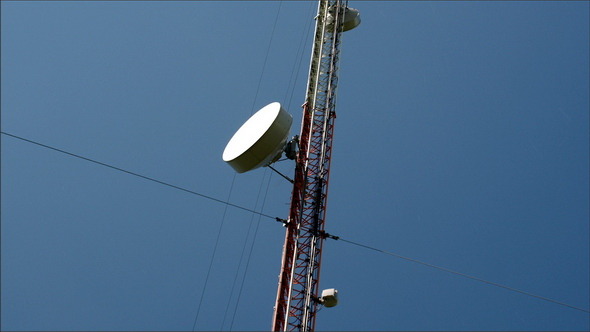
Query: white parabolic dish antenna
260	140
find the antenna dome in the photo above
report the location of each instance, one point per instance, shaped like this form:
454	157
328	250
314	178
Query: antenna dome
260	140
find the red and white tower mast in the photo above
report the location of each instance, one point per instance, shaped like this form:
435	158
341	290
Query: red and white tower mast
297	296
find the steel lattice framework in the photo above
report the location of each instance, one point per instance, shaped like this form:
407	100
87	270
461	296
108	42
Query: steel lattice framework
297	296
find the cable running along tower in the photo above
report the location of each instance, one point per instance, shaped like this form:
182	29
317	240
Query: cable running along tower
297	296
262	140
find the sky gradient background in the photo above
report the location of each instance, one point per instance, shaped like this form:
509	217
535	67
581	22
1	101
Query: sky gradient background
462	140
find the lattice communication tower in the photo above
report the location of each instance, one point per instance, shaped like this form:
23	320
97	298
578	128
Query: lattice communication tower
297	296
262	140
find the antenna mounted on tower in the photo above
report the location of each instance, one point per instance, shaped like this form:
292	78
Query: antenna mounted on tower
260	141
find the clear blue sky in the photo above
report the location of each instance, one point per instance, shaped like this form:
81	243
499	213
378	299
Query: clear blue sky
462	140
